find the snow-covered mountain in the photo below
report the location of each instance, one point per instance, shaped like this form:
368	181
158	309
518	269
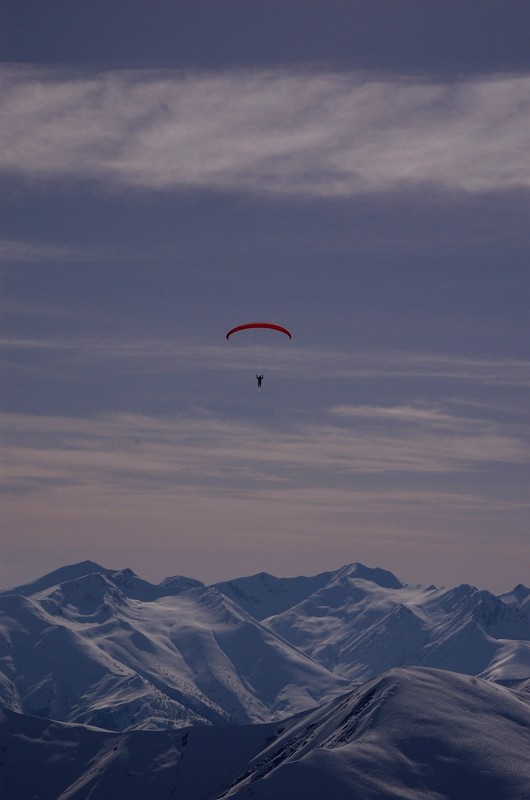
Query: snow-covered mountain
104	647
413	733
518	597
360	622
264	595
109	649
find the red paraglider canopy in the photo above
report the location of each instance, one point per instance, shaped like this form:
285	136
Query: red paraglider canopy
269	325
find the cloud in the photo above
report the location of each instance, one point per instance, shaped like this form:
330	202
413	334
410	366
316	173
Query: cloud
408	414
19	251
127	452
161	489
303	133
404	364
152	355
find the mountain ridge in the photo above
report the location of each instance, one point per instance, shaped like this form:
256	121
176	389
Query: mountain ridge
107	648
415	733
117	652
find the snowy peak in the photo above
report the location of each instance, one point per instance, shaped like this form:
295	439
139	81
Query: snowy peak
88	587
428	731
179	583
264	595
500	619
135	588
465	605
98	595
358	628
118	652
93	596
520	596
381	577
61	575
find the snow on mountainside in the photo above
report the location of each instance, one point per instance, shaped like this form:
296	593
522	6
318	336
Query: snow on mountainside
263	595
109	649
358	626
61	575
104	647
518	597
410	733
414	733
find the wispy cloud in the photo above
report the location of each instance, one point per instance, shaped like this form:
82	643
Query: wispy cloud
305	133
156	354
19	251
214	453
400	414
161	490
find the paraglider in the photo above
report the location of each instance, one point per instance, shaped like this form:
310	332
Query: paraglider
266	325
259	340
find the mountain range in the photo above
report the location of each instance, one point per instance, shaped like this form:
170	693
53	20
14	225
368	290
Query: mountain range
349	683
103	647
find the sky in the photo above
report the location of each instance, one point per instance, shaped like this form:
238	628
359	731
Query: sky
356	172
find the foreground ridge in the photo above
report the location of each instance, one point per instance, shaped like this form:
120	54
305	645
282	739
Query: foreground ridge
414	733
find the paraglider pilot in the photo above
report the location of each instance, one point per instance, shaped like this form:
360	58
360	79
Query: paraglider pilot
259	378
